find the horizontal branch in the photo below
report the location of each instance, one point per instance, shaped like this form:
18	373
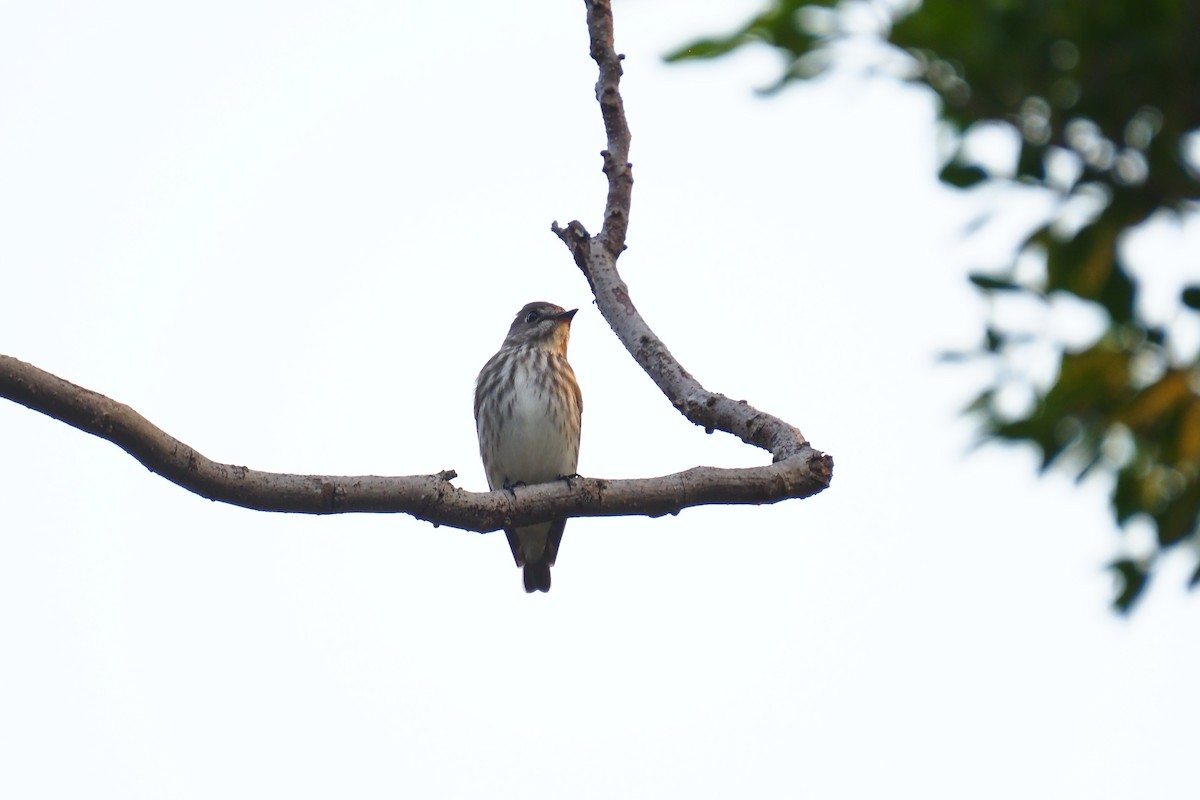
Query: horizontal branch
428	497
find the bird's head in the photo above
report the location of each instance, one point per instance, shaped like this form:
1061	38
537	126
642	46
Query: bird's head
542	325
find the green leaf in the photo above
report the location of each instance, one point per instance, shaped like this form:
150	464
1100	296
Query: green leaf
1032	162
1087	266
961	175
1118	296
1191	297
1093	462
1132	579
1178	519
707	48
994	340
1127	494
981	403
990	284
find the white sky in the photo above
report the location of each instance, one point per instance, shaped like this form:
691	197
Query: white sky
291	233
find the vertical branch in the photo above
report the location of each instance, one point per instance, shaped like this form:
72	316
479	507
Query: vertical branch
616	128
597	256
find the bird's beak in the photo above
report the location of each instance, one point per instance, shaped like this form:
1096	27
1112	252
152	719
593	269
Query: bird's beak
566	316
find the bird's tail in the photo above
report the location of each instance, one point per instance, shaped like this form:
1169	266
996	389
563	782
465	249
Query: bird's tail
537	577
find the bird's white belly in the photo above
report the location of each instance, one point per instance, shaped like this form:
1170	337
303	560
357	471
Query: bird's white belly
534	445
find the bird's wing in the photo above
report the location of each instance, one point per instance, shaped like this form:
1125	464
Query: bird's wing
514	544
553	538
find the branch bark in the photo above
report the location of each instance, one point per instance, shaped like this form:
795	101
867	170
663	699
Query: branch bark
797	470
429	497
597	256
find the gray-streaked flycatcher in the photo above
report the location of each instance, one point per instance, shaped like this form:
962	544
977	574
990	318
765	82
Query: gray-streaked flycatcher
527	413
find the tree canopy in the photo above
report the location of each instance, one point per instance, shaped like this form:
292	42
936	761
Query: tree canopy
1104	97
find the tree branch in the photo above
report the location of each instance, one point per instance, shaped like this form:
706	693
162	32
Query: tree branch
798	470
597	257
429	497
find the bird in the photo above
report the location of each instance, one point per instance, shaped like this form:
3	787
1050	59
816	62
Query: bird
528	411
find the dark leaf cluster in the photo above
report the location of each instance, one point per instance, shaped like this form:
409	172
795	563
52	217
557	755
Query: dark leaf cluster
1104	99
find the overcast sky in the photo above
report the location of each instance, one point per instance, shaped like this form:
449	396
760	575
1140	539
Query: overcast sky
290	234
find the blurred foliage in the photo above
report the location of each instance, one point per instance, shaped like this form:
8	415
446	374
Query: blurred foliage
1104	98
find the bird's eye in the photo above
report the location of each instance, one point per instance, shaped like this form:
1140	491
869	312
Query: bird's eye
532	316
